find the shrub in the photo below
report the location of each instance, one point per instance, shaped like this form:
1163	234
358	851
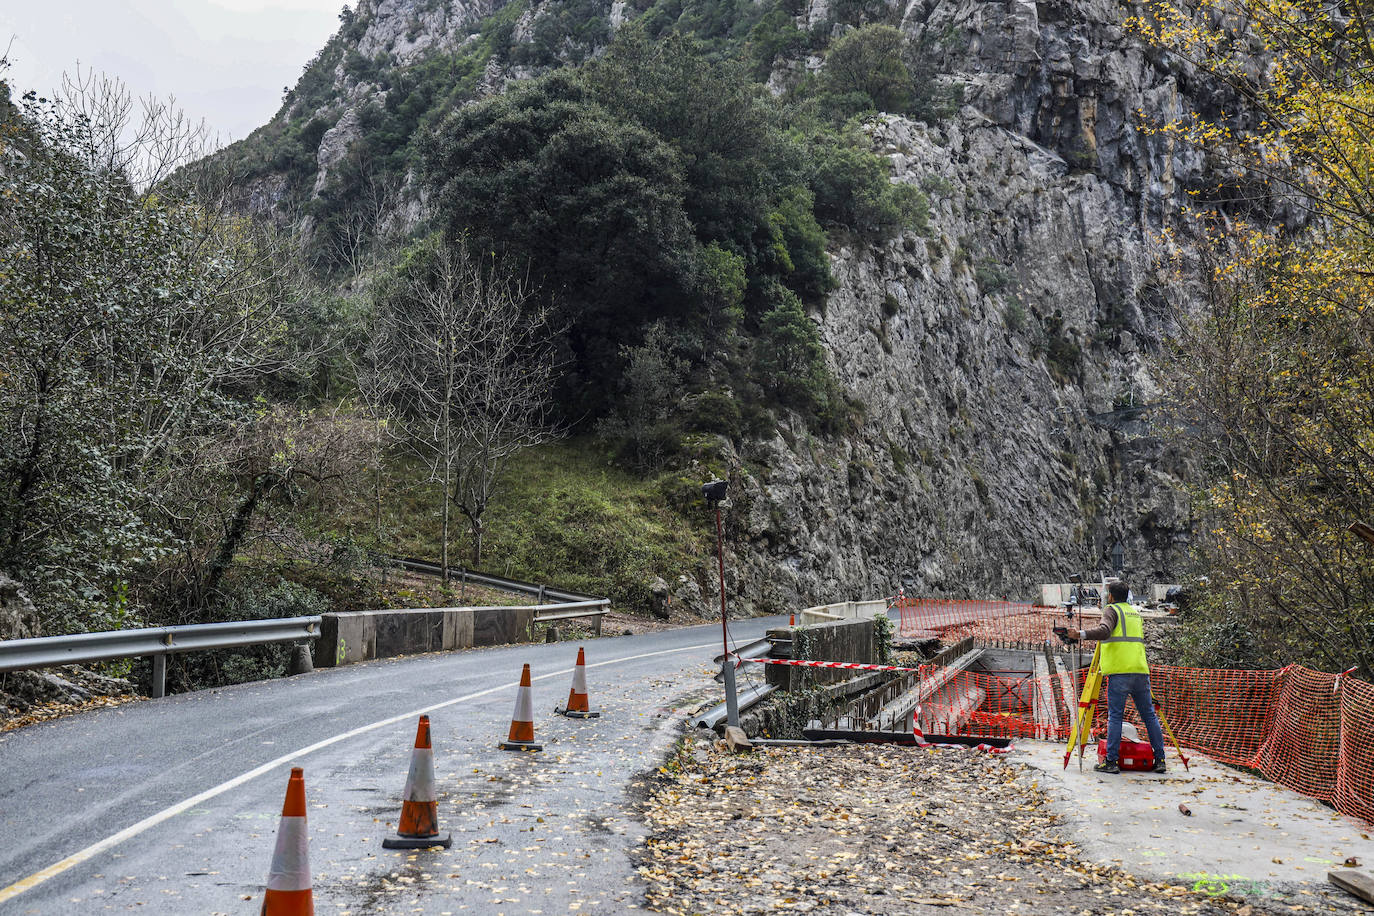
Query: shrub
247	601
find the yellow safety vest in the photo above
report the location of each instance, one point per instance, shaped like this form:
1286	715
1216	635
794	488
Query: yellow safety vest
1124	651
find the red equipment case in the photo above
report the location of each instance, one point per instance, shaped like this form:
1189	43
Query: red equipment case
1135	755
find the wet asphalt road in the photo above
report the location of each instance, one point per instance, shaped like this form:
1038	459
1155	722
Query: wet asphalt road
180	797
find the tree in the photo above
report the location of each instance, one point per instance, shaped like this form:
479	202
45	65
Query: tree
852	188
470	368
1274	379
135	312
791	360
642	420
271	461
593	203
725	128
870	63
1274	375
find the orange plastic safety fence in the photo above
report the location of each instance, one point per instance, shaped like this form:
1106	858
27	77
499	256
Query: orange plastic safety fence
987	621
934	616
989	705
1224	714
1303	740
1031	628
1310	731
1355	773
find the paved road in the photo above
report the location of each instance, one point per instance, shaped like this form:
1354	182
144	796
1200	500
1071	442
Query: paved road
170	806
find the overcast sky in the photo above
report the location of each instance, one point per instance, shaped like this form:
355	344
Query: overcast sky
225	60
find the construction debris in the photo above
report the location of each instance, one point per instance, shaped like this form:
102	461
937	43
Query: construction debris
1354	882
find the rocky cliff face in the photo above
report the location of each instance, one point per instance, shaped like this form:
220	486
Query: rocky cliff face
1001	357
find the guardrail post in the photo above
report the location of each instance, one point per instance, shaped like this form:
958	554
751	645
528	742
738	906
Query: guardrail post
727	668
541	594
159	676
301	662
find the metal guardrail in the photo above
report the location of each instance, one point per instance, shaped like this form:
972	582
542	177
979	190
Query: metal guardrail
574	610
155	642
713	717
543	592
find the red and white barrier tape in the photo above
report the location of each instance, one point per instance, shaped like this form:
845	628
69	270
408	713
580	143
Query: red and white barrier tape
922	742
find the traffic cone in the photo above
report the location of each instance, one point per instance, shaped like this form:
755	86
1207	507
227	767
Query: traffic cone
522	723
577	707
419	827
288	880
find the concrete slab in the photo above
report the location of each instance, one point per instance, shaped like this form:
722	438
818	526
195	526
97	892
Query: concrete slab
1246	837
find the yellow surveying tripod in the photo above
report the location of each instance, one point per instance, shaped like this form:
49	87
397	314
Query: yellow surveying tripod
1087	708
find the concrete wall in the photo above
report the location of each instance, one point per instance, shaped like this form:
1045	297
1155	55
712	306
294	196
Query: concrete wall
843	610
836	641
355	636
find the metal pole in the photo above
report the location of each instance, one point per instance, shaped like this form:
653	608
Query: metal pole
1083	727
159	676
727	666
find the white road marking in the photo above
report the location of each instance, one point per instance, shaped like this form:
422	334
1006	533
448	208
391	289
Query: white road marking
57	868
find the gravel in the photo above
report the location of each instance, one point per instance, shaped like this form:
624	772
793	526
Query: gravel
877	829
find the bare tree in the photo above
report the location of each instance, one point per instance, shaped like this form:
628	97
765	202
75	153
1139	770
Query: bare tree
146	139
272	462
361	238
471	368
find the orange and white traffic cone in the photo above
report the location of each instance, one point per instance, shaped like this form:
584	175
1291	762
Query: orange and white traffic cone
288	880
419	827
522	723
578	707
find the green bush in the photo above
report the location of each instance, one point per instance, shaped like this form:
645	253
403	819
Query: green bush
245	600
852	189
990	276
1015	316
867	68
1219	638
715	411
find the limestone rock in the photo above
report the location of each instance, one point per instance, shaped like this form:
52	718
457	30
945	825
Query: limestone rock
334	146
661	598
18	617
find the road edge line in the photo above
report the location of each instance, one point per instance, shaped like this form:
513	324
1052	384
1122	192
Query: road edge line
152	820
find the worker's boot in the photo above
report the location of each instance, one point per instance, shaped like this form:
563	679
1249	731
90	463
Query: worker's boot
1107	766
1160	767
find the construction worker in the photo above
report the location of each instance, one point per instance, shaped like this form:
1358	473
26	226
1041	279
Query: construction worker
1122	659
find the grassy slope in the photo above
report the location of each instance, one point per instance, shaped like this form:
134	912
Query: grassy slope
567	517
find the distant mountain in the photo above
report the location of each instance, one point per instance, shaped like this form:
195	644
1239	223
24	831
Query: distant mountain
968	341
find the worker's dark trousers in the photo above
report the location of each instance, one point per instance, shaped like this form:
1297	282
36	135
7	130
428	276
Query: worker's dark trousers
1137	687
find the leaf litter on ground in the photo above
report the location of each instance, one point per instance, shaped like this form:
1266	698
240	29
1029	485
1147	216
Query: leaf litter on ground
878	829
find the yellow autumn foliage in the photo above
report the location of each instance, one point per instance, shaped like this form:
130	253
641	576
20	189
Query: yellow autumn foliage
1274	376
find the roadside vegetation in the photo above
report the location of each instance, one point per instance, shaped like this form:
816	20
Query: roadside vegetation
1274	377
208	418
